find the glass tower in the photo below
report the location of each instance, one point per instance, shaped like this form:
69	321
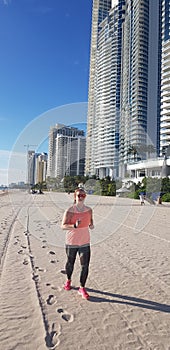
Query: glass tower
99	12
107	98
165	78
140	103
124	85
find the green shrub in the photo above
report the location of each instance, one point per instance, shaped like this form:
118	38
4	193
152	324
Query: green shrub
130	195
136	194
166	197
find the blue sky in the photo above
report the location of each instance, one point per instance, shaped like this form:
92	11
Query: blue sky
44	64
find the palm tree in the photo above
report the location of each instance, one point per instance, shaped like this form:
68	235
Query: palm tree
150	149
143	148
132	150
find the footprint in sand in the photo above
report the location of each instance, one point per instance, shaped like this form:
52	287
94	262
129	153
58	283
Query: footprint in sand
28	234
51	252
65	316
36	278
17	242
59	289
48	284
23	246
52	337
53	261
40	269
51	299
20	251
25	262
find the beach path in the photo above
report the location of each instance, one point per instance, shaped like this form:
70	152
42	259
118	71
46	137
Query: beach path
128	283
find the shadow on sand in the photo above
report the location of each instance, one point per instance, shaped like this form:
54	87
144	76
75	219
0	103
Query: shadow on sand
126	300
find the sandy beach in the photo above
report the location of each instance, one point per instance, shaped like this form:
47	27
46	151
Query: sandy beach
128	283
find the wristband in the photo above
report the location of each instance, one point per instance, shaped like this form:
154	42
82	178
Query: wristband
75	226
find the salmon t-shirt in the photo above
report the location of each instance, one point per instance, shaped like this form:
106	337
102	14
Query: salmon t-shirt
80	235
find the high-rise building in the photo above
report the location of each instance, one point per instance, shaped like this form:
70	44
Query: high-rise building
66	151
107	96
165	78
37	167
31	167
124	82
140	86
99	12
40	167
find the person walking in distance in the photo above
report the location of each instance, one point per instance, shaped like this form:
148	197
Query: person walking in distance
77	220
142	199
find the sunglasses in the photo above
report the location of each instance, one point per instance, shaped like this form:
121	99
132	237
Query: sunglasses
81	195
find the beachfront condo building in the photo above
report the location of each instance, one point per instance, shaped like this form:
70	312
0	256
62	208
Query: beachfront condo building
99	12
66	151
108	89
30	167
41	161
124	86
37	167
140	83
165	79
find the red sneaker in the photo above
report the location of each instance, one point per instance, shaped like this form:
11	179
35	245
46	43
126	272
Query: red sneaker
67	285
83	293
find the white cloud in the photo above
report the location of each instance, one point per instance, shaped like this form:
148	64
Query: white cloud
6	2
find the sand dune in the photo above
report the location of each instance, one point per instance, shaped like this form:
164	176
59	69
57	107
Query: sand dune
128	283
